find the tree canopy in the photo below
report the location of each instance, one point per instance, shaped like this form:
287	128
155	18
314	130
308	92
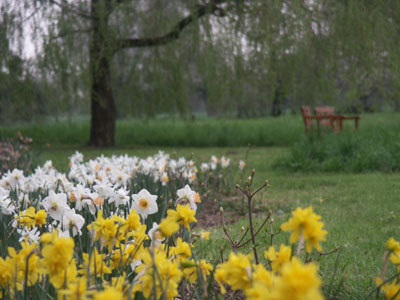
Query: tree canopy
237	57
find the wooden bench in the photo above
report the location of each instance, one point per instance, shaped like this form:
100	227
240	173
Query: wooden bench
324	119
325	116
329	110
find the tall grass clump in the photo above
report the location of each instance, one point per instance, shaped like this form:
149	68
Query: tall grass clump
168	132
375	150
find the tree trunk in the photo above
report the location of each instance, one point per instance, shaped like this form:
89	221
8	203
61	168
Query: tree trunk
102	100
101	51
102	108
276	110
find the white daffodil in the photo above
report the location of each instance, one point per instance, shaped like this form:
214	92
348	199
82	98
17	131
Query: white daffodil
242	164
48	165
104	189
119	177
16	177
155	235
56	205
135	264
31	236
144	203
225	162
5	182
164	178
204	167
94	202
187	196
181	162
76	158
78	194
63	234
120	197
73	221
6	205
213	166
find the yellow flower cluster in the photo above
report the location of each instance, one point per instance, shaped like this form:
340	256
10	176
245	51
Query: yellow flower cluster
391	290
117	245
111	231
29	218
123	258
163	268
161	275
287	277
394	248
20	265
292	280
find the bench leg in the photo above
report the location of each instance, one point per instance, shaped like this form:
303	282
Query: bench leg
356	120
338	125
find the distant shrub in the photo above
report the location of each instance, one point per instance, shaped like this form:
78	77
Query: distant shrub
377	150
15	153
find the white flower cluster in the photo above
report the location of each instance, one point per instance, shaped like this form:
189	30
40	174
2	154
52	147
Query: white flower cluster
215	163
119	169
91	185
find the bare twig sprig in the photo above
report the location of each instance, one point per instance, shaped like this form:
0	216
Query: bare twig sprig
246	190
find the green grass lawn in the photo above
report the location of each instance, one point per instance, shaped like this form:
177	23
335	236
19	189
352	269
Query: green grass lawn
204	132
360	211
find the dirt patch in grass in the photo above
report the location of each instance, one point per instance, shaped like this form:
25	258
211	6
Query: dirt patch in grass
209	212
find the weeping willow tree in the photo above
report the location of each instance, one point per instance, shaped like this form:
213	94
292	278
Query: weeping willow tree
120	58
340	52
83	38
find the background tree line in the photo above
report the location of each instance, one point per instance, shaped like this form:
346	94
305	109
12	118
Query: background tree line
238	58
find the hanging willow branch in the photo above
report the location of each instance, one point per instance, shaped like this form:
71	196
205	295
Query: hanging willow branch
201	10
73	9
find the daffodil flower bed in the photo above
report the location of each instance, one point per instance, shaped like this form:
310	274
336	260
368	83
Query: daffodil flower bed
122	228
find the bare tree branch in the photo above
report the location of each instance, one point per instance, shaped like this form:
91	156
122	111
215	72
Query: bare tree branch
174	34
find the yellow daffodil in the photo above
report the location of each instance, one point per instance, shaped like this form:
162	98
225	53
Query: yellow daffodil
205	235
183	215
297	282
279	258
390	290
27	217
182	250
191	269
168	226
109	293
95	263
24	263
57	253
159	274
236	271
307	224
